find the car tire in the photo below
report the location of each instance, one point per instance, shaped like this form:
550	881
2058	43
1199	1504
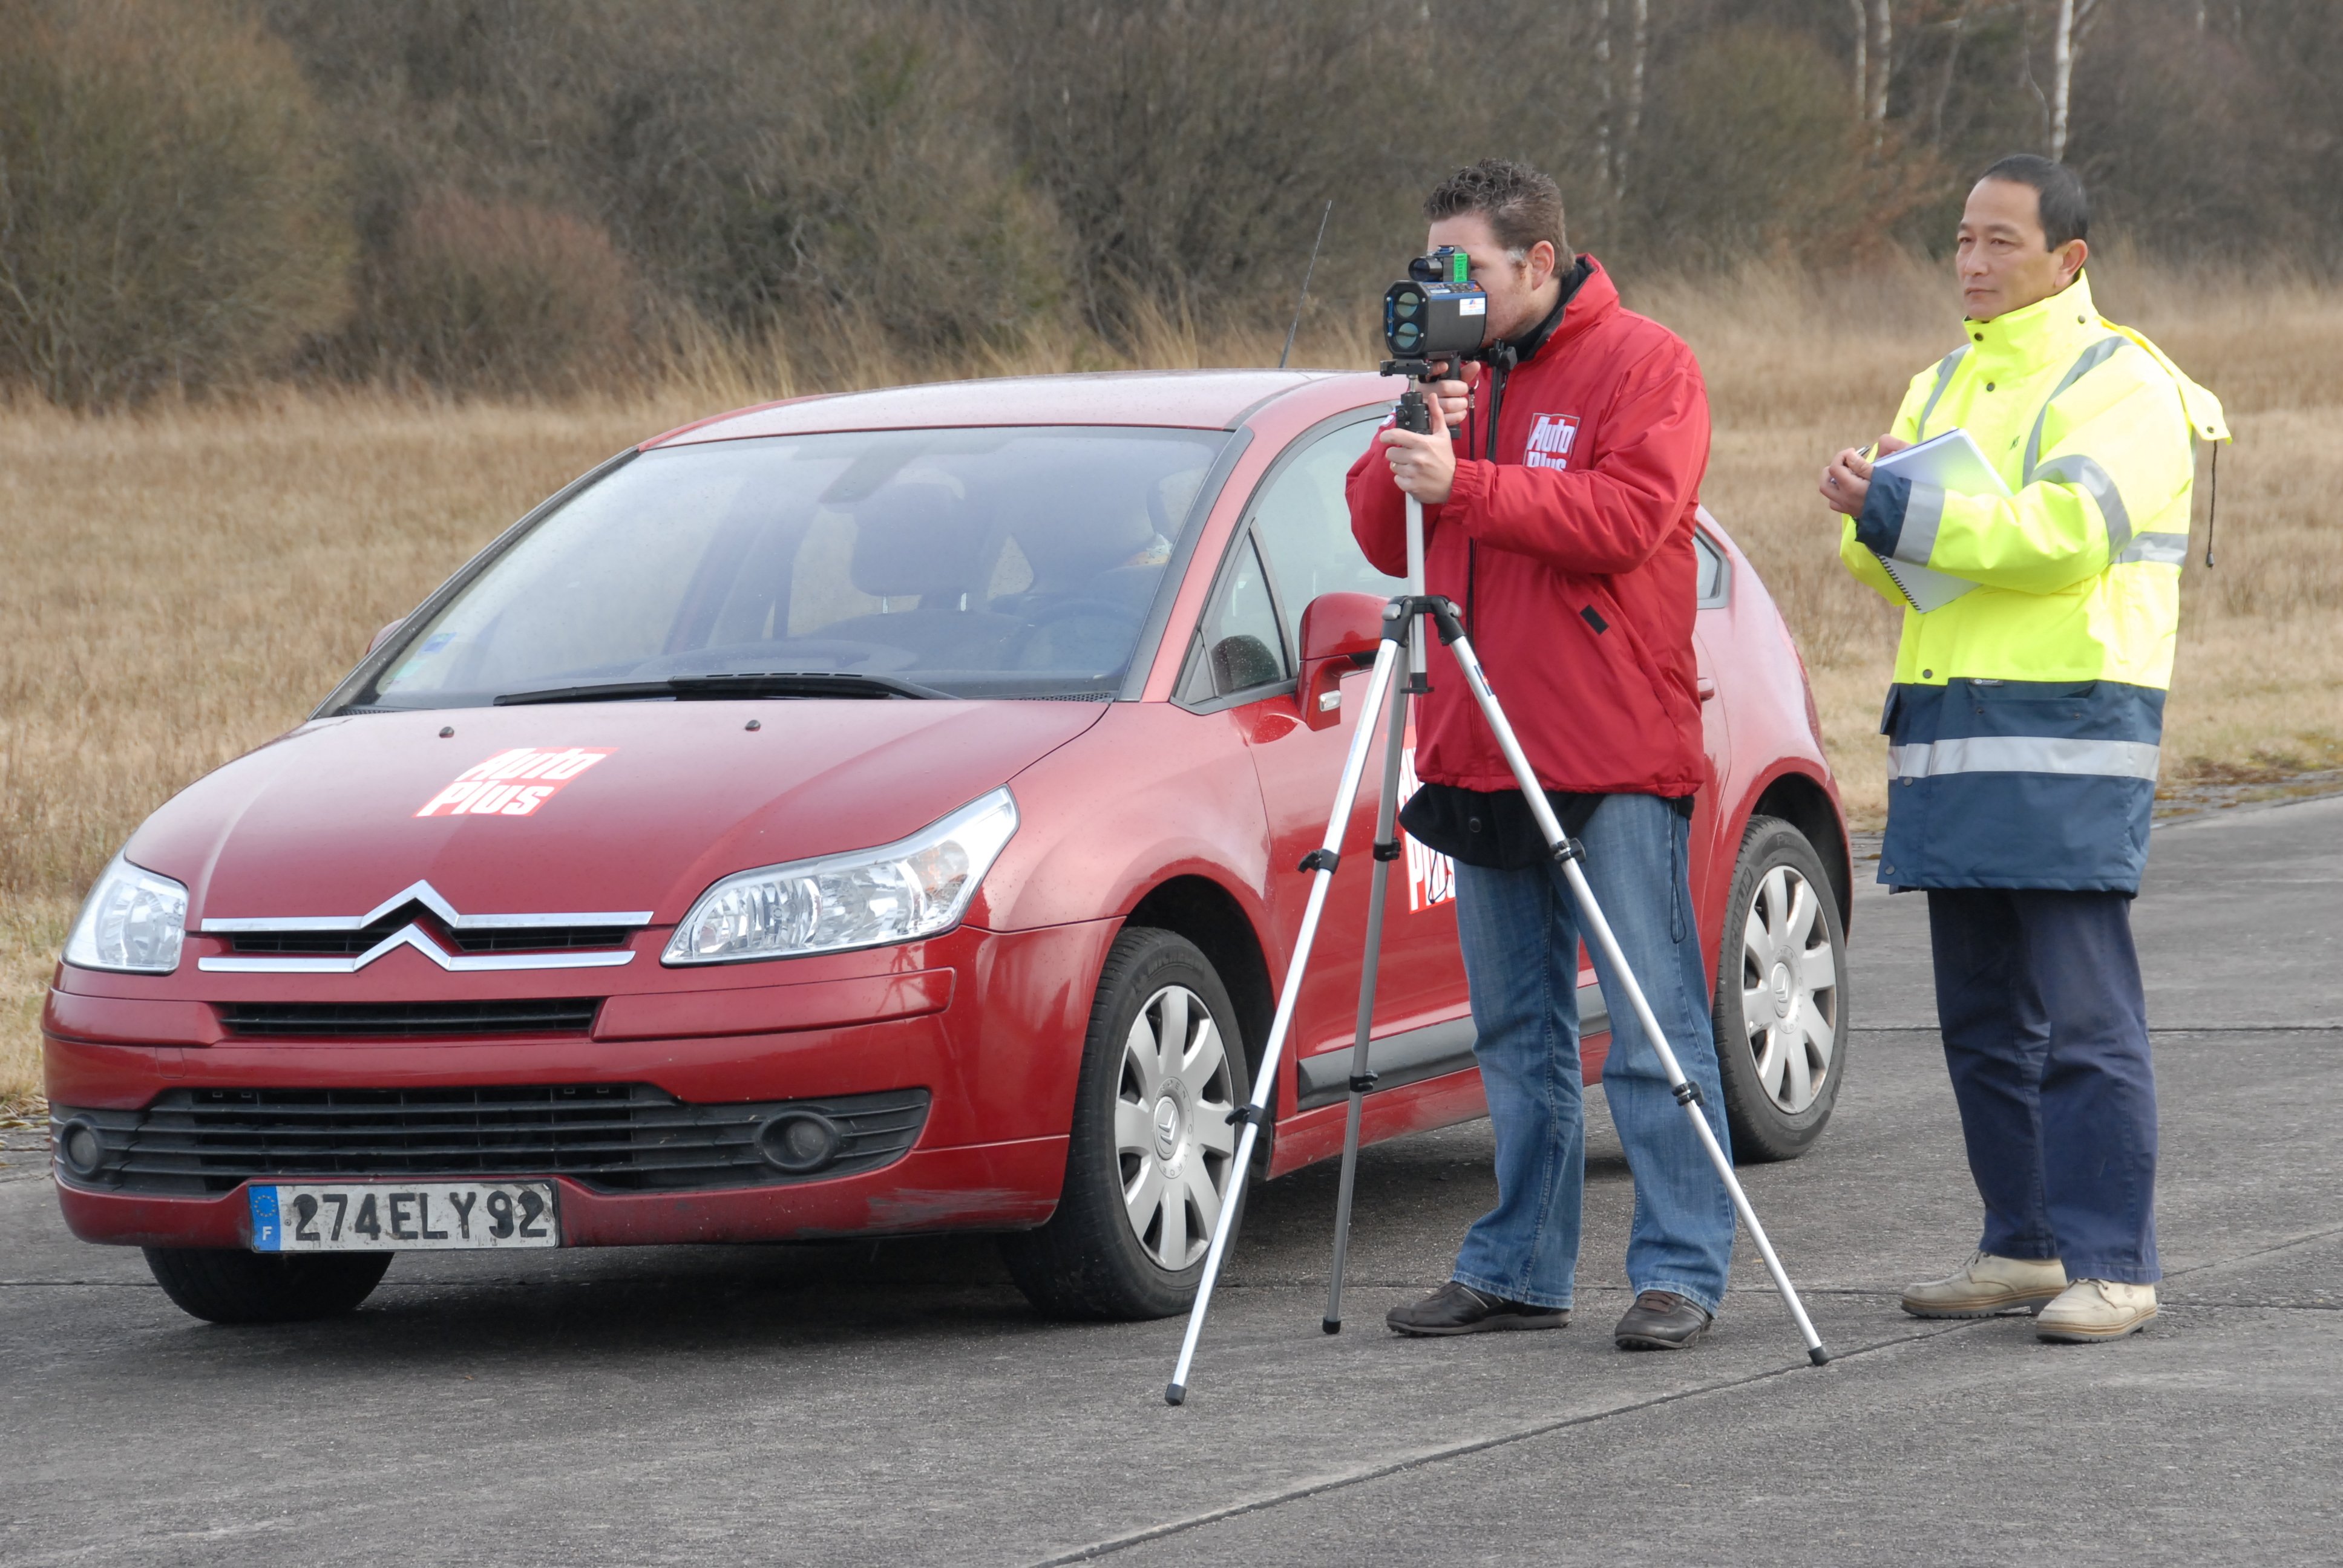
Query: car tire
1150	1153
230	1287
1780	1008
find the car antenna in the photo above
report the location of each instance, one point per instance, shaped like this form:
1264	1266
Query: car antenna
1303	302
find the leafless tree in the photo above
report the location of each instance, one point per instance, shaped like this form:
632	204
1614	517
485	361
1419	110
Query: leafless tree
1883	58
1639	49
1957	33
1604	154
1874	62
2073	21
1862	58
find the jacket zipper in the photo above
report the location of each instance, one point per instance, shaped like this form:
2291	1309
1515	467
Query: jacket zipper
1473	548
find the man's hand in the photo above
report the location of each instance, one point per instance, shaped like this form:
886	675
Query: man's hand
1425	466
1422	466
1847	480
1454	392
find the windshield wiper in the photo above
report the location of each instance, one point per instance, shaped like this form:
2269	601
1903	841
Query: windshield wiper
713	687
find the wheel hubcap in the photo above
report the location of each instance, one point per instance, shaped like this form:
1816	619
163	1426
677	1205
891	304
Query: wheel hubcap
1169	1124
1789	989
1174	1145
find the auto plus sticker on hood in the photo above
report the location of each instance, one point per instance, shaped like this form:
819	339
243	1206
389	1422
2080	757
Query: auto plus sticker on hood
513	783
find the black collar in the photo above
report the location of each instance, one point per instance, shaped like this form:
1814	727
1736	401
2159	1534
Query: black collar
1508	353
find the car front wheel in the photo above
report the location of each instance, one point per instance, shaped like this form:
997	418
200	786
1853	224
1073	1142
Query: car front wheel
1152	1153
1780	1010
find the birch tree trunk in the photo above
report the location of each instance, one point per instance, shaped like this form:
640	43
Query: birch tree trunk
1606	156
1862	59
1883	56
2062	75
1638	46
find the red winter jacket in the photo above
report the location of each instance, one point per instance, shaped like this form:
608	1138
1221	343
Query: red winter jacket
1575	561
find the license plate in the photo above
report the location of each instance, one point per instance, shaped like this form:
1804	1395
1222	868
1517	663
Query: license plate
418	1216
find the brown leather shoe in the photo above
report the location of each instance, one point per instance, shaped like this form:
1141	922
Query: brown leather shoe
1660	1321
1457	1309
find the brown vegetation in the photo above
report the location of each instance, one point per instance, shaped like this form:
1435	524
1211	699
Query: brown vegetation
180	584
171	214
528	195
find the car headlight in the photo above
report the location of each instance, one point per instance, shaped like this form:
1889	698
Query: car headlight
915	887
133	921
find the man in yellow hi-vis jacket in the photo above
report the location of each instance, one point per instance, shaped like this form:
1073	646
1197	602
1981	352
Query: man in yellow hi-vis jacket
2023	733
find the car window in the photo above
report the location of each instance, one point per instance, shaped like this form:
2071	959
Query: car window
1715	571
1304	522
1237	646
995	562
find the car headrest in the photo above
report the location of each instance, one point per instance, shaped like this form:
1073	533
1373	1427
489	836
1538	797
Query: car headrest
911	539
1068	540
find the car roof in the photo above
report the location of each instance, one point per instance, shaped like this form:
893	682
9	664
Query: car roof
1192	399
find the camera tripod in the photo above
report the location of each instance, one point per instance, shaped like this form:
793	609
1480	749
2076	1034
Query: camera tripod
1402	639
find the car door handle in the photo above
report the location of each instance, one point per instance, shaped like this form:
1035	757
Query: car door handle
1706	686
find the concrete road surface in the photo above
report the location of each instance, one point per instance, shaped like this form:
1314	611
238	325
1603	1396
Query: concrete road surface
901	1405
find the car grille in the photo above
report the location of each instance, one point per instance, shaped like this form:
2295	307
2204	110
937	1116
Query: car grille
377	1020
616	1137
350	944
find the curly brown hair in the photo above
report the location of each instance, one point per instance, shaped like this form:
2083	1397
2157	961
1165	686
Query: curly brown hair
1523	206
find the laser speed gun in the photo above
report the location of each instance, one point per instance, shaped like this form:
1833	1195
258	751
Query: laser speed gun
1435	312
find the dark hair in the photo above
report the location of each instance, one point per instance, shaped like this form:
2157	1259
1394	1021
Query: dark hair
2059	191
1523	206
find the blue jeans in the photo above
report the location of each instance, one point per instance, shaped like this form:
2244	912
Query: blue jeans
2045	1035
1520	933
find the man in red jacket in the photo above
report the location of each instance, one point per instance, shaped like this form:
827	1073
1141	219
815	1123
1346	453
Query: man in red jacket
1558	504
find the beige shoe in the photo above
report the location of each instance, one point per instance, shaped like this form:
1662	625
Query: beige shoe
1987	1285
2091	1310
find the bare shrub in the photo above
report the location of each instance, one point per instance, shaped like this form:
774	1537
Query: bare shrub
1189	145
1749	149
169	218
495	296
807	173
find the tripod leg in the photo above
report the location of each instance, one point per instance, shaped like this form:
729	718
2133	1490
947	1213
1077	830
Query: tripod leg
1322	862
1687	1095
1386	852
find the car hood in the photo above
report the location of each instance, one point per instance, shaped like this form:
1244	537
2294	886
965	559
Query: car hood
597	807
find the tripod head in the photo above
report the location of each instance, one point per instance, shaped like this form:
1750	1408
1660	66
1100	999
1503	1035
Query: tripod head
1414	414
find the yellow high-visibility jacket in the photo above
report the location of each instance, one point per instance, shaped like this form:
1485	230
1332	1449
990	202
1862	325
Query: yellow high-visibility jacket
2026	716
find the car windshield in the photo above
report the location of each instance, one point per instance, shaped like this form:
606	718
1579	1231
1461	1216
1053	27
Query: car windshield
988	562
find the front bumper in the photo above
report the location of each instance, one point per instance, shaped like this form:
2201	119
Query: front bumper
991	1025
998	1186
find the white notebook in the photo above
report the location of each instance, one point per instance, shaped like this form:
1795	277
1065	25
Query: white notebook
1950	462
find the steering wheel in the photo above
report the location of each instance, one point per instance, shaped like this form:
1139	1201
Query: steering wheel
1063	610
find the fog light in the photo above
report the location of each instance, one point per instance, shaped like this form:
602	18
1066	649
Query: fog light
798	1142
79	1146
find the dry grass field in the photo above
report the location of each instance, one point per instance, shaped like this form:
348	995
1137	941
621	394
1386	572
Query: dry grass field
180	585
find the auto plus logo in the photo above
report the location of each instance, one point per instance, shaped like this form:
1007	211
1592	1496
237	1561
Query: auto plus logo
513	783
1551	436
1430	875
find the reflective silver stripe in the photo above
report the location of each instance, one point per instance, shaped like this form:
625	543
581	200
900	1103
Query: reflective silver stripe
1924	513
2096	354
2074	469
2168	549
2024	754
1944	369
413	936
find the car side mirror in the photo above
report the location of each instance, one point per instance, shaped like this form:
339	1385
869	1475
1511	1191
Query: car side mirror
384	635
1339	633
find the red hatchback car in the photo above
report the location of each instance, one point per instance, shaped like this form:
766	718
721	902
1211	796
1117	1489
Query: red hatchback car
863	815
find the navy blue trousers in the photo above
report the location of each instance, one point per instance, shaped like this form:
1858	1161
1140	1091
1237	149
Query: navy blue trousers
2045	1035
